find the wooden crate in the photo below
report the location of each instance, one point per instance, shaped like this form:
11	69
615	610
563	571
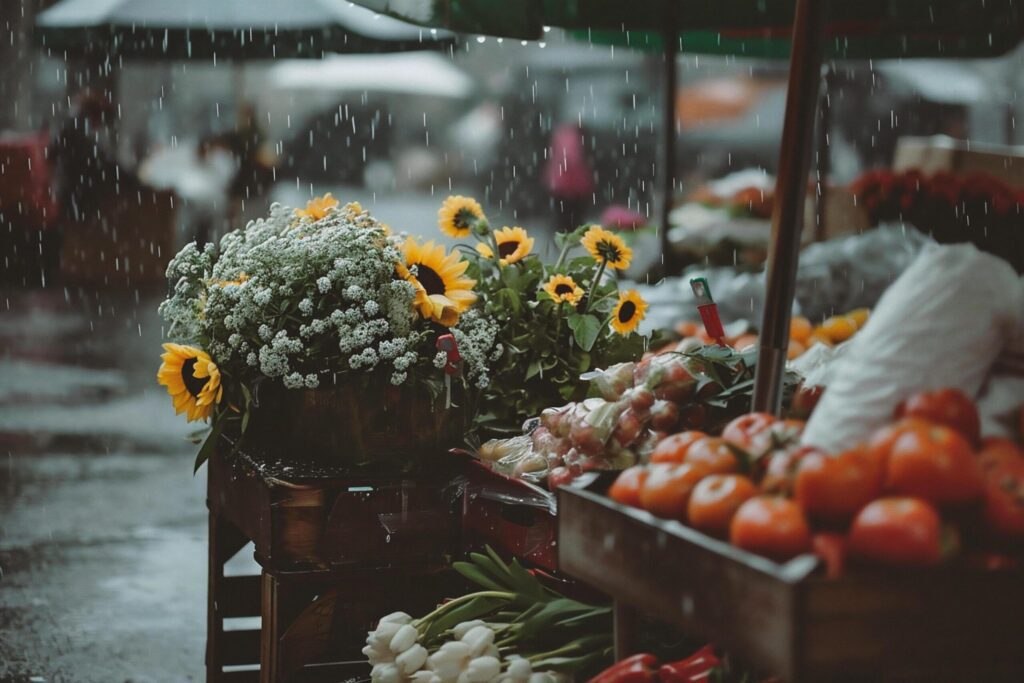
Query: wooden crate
945	624
301	515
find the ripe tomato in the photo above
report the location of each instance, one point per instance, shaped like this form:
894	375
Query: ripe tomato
626	487
996	452
666	492
673	448
771	526
902	531
935	463
949	407
743	429
834	488
879	445
780	434
781	468
713	453
715	500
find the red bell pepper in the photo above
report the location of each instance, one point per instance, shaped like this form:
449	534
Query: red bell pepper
696	667
635	669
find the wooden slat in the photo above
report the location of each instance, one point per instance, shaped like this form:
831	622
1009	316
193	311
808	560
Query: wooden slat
239	596
240	647
239	676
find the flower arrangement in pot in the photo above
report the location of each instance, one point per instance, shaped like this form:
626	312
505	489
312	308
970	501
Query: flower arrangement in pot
319	330
556	320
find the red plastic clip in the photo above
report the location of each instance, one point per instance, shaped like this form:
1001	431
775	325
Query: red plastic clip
447	343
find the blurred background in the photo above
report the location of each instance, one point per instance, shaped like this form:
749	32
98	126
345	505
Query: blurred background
116	149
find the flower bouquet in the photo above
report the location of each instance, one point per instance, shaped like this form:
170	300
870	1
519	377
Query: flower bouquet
321	330
555	321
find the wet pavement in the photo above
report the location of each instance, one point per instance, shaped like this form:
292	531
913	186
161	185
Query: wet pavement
102	524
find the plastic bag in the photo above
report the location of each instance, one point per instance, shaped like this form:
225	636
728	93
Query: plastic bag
941	324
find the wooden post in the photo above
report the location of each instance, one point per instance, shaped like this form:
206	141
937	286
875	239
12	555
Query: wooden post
790	196
668	135
624	629
823	152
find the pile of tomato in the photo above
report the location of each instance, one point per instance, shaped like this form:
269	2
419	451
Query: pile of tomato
909	495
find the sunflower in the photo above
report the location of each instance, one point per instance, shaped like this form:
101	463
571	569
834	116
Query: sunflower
628	312
514	244
192	379
607	247
318	207
563	288
458	215
442	290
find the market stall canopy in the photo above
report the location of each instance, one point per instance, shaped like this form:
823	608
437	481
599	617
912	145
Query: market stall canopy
868	28
226	29
410	73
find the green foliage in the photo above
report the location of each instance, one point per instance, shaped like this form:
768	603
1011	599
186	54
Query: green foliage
546	345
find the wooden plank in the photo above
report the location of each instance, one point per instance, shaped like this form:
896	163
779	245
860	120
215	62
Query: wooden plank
239	596
240	647
239	676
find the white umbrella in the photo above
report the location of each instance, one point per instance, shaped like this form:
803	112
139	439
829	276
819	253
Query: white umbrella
413	73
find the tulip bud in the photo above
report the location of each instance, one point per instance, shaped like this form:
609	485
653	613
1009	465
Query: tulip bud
483	669
520	669
396	618
479	638
386	673
404	639
412	660
462	629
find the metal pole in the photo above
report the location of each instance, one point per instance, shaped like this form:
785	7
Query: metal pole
790	194
668	142
824	155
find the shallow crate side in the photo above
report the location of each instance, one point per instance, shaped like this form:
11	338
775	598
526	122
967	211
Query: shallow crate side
955	625
666	570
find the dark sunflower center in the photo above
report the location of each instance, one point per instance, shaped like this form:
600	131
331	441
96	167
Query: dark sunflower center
626	311
194	385
430	280
464	219
562	288
608	251
507	248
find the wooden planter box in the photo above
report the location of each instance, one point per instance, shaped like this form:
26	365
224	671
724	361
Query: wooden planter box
946	624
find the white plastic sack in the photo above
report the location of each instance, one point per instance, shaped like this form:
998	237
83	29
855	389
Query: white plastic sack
941	324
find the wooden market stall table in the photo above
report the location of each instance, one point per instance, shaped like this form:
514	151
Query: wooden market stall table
336	553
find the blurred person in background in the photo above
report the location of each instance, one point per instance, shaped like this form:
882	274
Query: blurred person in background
88	175
568	175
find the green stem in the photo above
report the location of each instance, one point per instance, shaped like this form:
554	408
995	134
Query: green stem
561	258
458	601
593	284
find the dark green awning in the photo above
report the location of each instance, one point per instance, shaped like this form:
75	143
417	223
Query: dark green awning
757	28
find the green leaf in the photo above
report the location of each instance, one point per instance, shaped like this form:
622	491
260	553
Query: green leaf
473	609
477	575
585	329
208	446
534	368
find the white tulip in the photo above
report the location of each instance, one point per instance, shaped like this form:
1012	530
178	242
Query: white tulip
412	660
396	618
425	676
463	628
479	638
541	678
381	638
483	669
376	656
449	661
404	638
519	669
386	673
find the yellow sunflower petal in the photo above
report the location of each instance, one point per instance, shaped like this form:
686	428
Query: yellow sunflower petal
628	312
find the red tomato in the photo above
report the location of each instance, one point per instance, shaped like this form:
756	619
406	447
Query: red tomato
560	476
781	468
714	453
935	463
831	549
834	489
996	452
901	531
666	492
744	428
779	434
949	407
715	500
1004	498
771	526
626	488
880	443
673	448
